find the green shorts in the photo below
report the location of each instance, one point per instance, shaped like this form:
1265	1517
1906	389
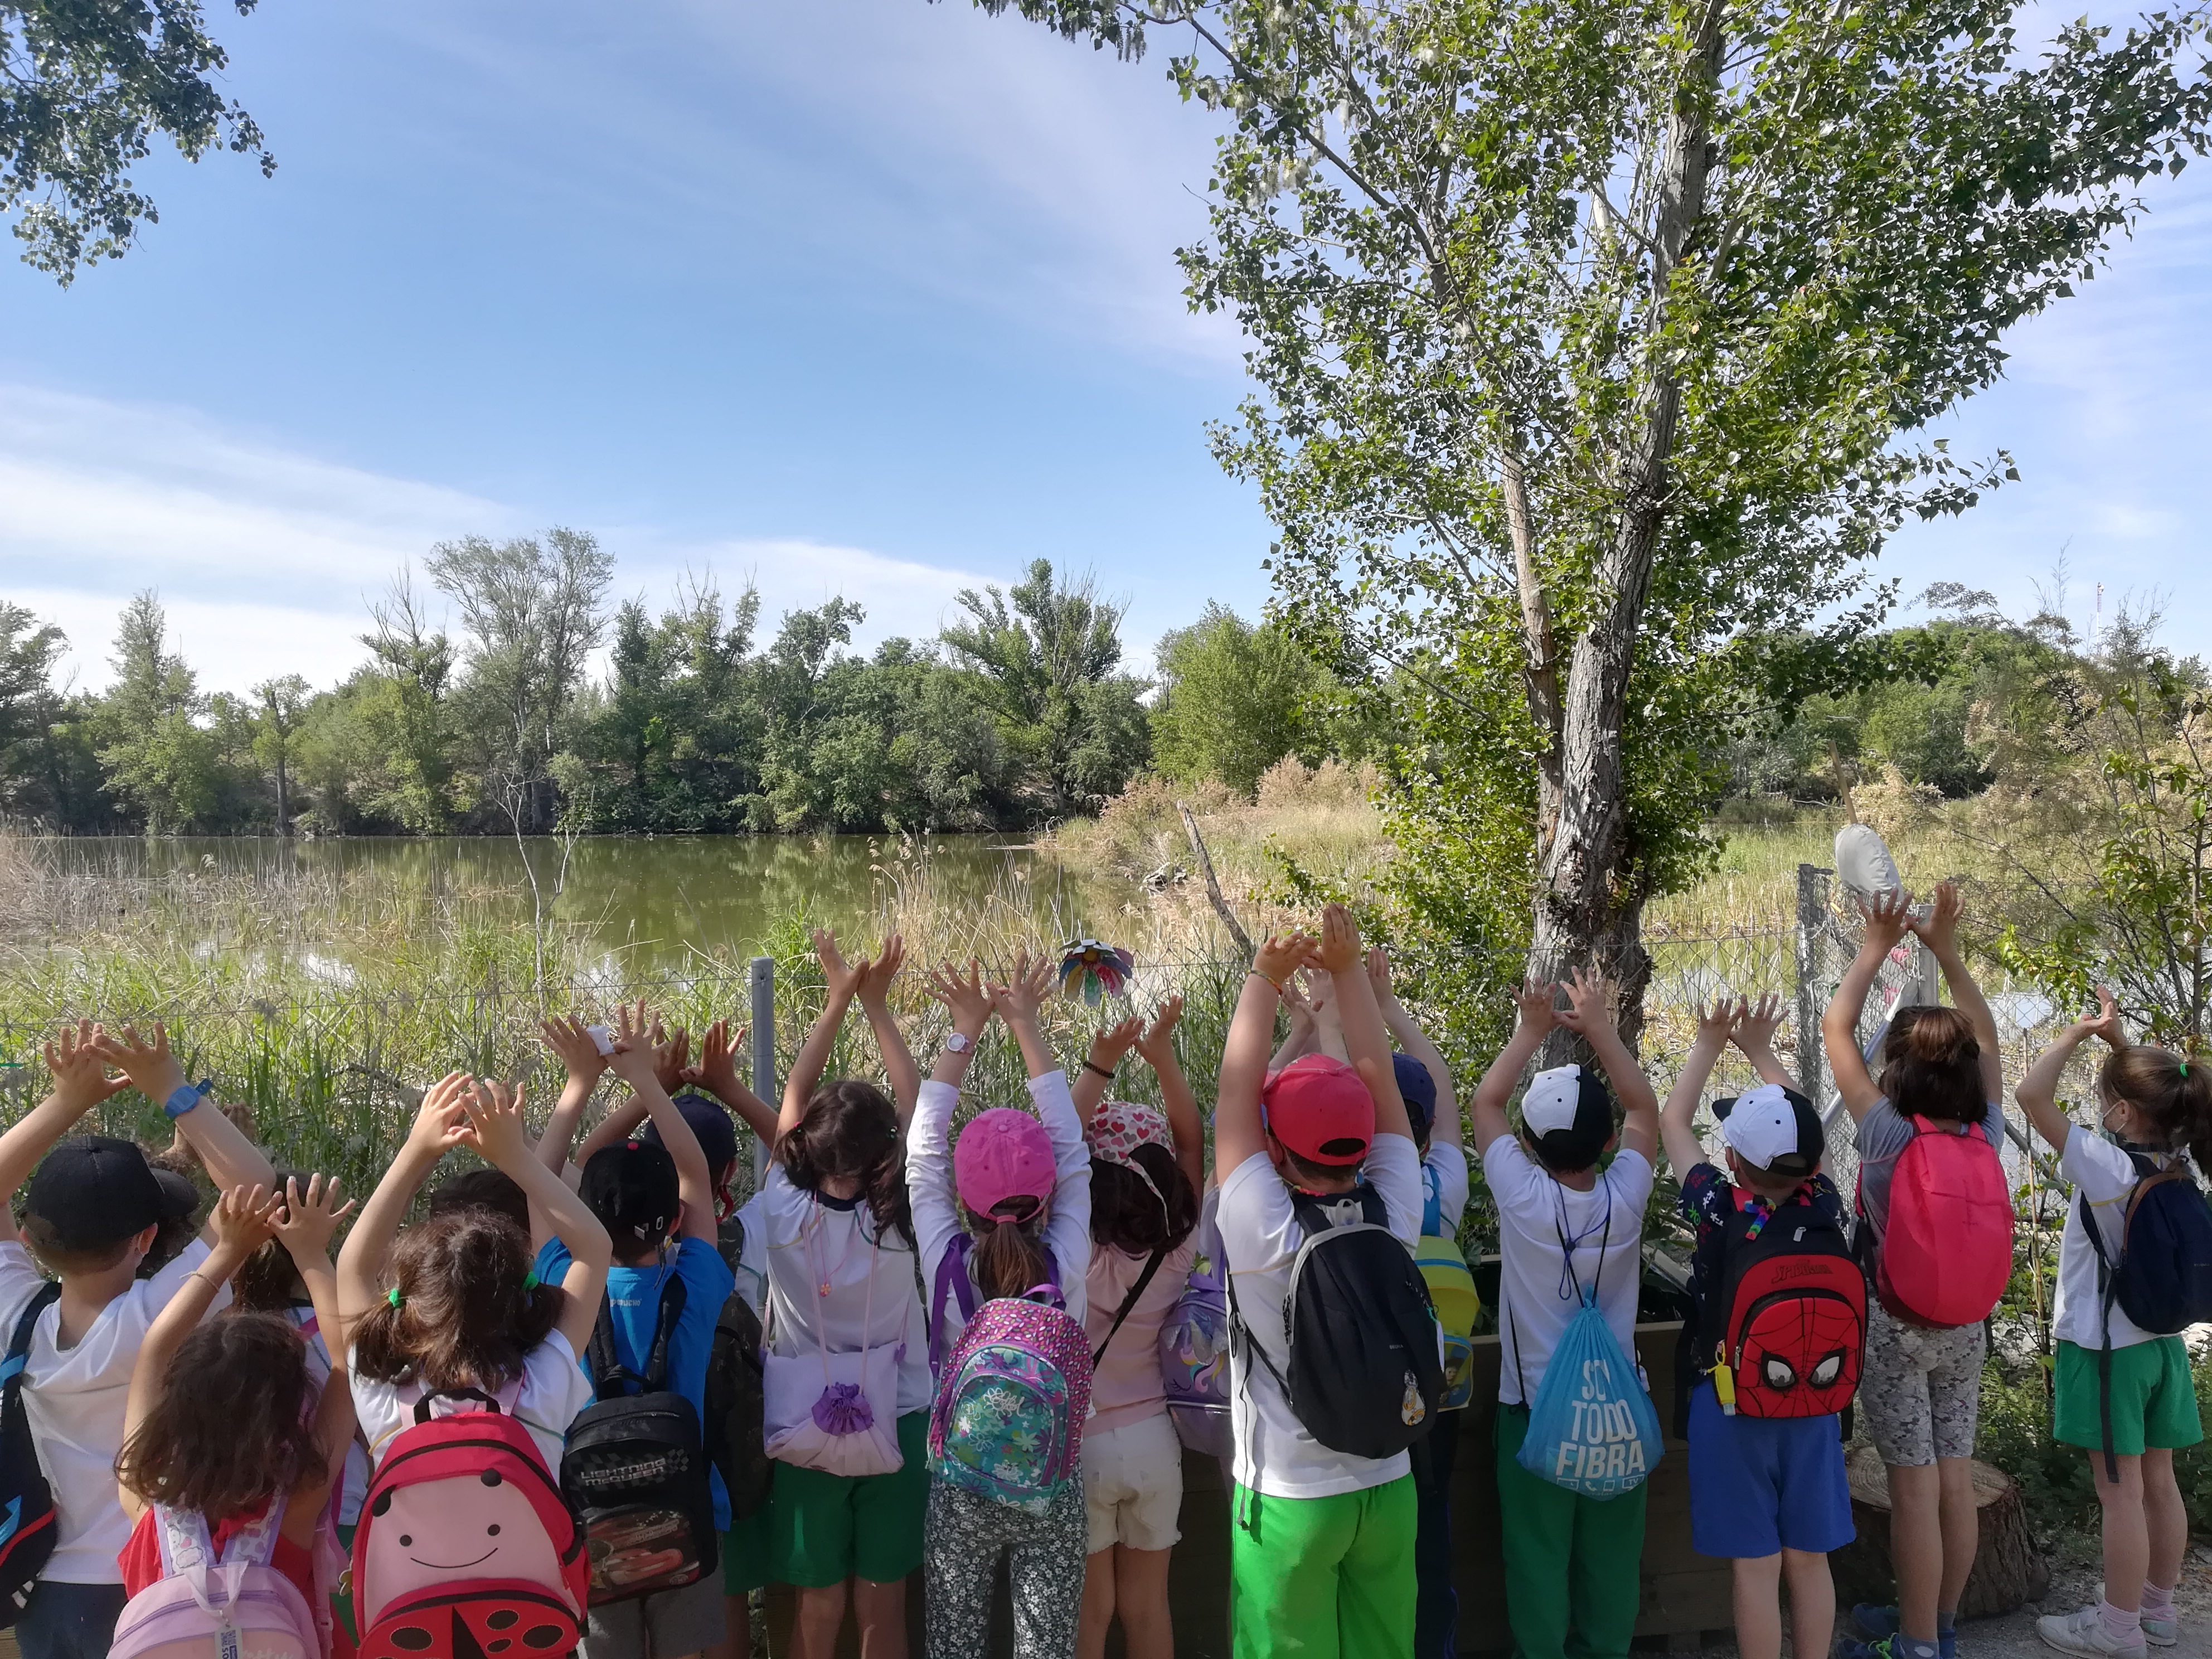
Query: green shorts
826	1529
2154	1398
1329	1578
747	1548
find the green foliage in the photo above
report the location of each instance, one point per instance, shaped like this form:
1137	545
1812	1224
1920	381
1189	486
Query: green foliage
1234	699
87	86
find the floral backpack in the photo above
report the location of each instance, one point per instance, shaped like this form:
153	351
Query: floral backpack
1011	1399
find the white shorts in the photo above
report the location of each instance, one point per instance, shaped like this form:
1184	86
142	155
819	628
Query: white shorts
1132	1485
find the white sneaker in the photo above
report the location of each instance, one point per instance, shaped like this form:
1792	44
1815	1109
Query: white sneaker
2083	1634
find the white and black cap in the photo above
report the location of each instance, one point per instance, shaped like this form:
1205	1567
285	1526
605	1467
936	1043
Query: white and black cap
1568	1116
1773	1128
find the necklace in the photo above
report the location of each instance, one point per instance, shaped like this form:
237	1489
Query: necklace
822	1286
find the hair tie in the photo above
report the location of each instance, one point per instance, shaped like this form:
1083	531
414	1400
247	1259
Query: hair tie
2185	1067
530	1281
393	1297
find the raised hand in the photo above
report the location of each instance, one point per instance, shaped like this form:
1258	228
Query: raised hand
969	1000
842	978
638	1044
441	1122
1587	993
1939	930
1156	1043
1281	955
1025	988
149	1065
2106	1022
1340	949
1378	972
570	1040
495	1126
1716	1022
77	1061
309	1219
879	971
671	1054
1537	1001
1110	1044
716	1071
1888	916
245	1219
1757	1023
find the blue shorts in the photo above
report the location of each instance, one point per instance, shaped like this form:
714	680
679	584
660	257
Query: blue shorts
1762	1485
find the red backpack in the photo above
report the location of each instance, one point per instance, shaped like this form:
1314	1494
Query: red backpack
465	1545
1946	1254
1782	1332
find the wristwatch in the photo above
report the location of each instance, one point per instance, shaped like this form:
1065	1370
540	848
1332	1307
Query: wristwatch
186	1097
959	1042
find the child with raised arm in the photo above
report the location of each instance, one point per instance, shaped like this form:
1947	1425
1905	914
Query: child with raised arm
2124	1395
838	1235
94	1208
228	1419
1563	1222
1321	1538
1940	1076
1767	1493
1147	1165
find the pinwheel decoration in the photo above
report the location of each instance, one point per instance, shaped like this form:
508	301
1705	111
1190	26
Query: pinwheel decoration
1103	969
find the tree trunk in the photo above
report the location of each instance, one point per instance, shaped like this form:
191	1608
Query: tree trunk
283	813
2009	1570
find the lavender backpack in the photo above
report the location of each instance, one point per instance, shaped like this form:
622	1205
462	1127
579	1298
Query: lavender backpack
1007	1424
204	1607
1195	1347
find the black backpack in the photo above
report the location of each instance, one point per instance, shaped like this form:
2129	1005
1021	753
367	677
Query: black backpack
2162	1276
636	1471
736	1440
1362	1373
26	1503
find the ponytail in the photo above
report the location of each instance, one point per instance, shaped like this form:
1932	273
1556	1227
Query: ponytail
1008	1258
2172	1094
1932	1066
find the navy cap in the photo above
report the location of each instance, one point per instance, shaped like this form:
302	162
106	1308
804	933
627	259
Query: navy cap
1418	1090
95	1190
710	1123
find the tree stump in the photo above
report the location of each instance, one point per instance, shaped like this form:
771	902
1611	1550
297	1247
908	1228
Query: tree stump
2009	1570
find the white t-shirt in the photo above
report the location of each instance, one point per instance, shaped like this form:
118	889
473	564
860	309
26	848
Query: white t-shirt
937	1204
810	1242
546	1398
74	1399
1259	1237
1443	1172
1536	1291
2107	1175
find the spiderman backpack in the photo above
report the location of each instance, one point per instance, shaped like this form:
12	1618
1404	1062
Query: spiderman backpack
1781	1329
466	1546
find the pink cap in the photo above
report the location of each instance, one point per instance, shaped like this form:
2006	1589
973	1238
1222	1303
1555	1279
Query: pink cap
1002	1155
1318	1107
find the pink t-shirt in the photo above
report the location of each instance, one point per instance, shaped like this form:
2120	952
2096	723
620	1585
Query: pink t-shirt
1126	1387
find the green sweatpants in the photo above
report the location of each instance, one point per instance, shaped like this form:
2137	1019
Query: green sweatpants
1572	1585
1323	1577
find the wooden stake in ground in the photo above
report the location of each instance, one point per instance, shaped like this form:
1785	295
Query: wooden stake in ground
1213	887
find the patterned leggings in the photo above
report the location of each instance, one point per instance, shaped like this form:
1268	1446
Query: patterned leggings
967	1535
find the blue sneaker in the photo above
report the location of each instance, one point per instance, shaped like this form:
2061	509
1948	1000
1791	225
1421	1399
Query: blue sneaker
1878	1623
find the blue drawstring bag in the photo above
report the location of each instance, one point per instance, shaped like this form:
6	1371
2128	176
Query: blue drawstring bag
1592	1428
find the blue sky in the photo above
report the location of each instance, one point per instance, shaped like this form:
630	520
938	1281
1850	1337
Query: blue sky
867	296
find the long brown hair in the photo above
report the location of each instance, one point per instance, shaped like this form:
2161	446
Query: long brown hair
2173	1093
467	1313
850	1131
1932	1066
235	1424
1009	1259
1131	1216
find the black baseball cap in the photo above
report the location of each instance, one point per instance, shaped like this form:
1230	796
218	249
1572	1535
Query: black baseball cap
631	1187
95	1190
1773	1128
717	1137
1418	1090
1568	1116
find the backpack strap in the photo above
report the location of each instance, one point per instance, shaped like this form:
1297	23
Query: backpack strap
606	1367
1130	1302
19	1344
673	1295
2105	1292
1432	1200
484	1401
952	1280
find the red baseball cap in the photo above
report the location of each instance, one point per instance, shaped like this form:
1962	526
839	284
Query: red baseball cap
1002	1155
1318	1107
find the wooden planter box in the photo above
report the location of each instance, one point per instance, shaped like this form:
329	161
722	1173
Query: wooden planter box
1679	1591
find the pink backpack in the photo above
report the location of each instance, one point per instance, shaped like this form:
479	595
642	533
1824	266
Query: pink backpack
1007	1423
202	1607
1946	1255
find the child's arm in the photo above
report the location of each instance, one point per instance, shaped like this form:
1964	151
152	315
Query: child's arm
875	992
231	1159
1109	1045
495	1129
1328	1019
438	1126
670	1054
77	1062
305	1226
1303	1034
1885	919
1238	1133
1588	1017
717	1074
1415	1041
1939	933
928	1137
572	1043
1067	1225
1715	1026
1366	1043
633	1061
240	1222
1756	1023
1537	1017
1185	1126
813	1056
2038	1092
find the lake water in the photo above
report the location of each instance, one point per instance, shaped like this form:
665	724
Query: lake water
661	898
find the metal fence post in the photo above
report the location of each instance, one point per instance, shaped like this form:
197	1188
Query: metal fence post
760	976
1812	922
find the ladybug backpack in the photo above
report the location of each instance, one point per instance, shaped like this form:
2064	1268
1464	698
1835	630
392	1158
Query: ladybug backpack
466	1546
1781	1329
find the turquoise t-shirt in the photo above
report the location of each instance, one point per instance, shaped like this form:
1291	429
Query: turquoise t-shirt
634	1293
